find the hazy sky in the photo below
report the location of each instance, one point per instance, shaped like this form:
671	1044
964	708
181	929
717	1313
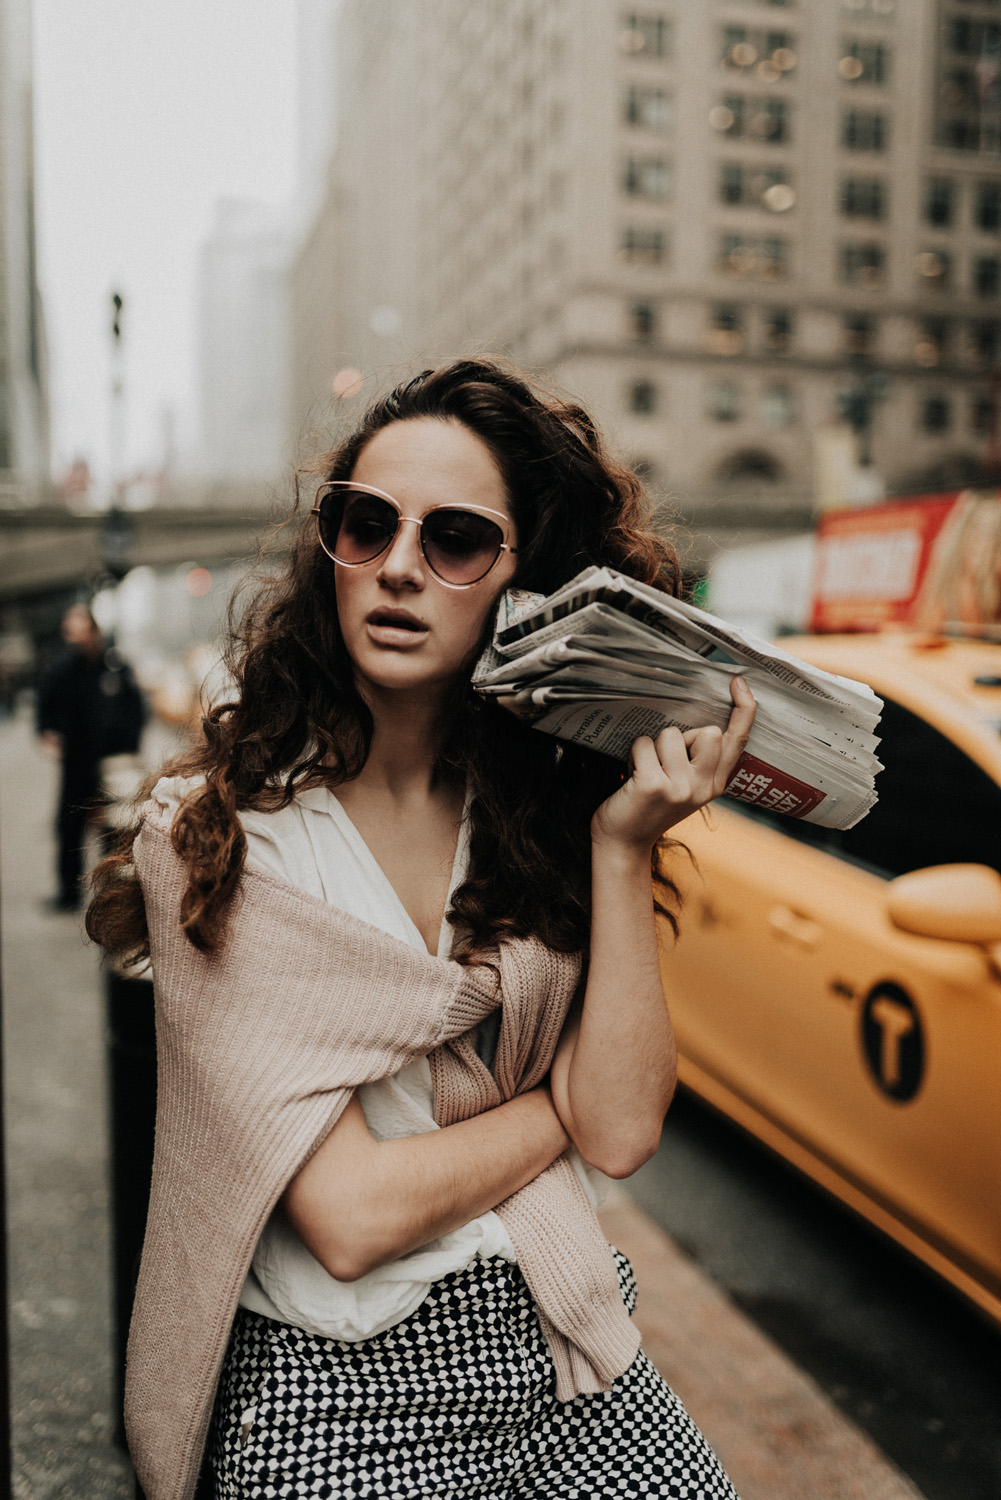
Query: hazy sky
147	111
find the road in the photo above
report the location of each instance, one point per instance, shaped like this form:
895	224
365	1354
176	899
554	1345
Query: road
897	1351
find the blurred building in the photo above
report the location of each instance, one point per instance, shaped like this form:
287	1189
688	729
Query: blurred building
243	333
24	420
727	224
265	290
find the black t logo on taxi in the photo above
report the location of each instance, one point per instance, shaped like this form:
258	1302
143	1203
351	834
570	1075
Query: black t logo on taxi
893	1041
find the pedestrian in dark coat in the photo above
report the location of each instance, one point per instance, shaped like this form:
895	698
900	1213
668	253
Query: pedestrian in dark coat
89	707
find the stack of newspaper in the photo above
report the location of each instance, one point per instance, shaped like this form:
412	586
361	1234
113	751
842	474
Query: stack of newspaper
606	659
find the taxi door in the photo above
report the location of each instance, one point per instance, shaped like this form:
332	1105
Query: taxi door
875	1050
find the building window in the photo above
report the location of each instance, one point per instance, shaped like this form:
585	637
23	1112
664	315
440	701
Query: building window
935	269
974	38
864	62
752	255
859	333
771	54
863	265
759	187
645	34
862	130
982	415
932	342
729	116
749	466
940	202
987	276
756	119
987	212
935	414
648	177
643	245
970	117
731	182
778	329
984	342
723	401
776	408
643	397
768	120
651	108
863	197
969	82
726	329
879	8
642	321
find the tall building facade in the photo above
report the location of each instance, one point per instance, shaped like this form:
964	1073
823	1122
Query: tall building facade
24	412
725	224
244	337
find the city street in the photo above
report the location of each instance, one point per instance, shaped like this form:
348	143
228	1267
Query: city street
893	1347
871	1346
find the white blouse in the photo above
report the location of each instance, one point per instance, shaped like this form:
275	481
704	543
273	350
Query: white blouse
313	845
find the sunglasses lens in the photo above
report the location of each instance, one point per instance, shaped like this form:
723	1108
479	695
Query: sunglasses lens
461	546
355	527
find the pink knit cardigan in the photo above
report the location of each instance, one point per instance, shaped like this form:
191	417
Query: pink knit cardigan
259	1048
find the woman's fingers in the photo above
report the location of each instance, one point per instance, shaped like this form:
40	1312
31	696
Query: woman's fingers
738	729
714	752
679	772
672	755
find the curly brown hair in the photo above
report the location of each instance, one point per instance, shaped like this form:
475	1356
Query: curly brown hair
297	719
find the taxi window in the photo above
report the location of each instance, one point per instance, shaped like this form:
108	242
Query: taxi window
936	806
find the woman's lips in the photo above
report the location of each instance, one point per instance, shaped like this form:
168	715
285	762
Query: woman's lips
389	627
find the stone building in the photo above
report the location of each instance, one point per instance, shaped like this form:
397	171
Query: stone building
723	223
24	418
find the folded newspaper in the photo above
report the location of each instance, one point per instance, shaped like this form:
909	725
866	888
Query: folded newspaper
607	659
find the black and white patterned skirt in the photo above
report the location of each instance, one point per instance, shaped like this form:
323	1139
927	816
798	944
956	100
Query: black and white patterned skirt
455	1401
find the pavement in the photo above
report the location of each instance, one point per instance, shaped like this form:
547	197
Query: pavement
778	1435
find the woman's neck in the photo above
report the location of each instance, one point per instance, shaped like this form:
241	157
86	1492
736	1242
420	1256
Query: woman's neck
406	739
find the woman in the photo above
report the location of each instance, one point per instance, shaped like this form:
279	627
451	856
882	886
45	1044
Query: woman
409	1002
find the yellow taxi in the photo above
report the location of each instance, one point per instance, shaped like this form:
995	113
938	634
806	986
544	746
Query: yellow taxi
838	994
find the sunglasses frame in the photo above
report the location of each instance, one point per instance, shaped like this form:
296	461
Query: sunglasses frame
418	521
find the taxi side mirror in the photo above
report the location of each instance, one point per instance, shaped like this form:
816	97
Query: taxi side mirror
960	902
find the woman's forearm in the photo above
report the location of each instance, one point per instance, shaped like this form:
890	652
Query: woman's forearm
615	1069
359	1203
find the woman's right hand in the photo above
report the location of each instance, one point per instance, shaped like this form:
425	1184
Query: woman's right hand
359	1203
673	776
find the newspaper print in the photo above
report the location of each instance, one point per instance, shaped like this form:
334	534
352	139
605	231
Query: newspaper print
606	659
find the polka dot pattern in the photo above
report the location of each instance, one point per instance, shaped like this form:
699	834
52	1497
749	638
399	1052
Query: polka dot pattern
454	1403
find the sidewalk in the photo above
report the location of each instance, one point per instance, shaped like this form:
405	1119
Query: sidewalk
57	1158
776	1433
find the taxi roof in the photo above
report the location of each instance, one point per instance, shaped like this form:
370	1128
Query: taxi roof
933	675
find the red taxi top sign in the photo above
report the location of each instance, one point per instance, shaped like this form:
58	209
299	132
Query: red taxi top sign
929	561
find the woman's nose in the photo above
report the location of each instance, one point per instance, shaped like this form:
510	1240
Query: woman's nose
403	564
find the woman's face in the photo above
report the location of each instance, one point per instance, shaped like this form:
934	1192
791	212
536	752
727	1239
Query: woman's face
403	629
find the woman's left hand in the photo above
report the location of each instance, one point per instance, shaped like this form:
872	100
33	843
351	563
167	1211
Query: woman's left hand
673	776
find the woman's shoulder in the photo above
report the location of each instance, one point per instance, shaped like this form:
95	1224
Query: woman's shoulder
171	793
285	841
167	798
